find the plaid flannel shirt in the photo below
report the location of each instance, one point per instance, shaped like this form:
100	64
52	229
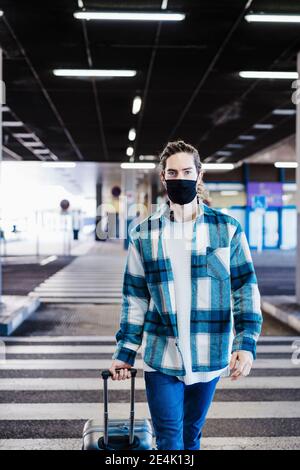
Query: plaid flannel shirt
225	294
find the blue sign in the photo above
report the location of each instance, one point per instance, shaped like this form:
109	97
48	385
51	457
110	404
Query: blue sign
259	202
273	192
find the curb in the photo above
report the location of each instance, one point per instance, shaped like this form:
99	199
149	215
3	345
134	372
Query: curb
290	319
8	323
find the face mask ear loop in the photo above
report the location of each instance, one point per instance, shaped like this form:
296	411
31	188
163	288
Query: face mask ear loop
171	212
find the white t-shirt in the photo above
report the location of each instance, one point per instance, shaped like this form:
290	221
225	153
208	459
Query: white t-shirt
177	238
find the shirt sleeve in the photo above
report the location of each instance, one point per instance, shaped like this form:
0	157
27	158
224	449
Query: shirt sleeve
246	302
135	303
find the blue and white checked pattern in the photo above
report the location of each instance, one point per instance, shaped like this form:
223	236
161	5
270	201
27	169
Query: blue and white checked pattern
225	295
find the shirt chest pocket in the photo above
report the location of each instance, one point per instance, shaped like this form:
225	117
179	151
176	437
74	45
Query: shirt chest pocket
218	262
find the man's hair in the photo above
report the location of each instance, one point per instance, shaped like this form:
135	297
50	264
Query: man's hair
180	146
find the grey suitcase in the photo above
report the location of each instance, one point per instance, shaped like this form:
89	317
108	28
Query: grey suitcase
118	434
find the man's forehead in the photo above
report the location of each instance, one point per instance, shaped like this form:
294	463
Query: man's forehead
181	155
180	164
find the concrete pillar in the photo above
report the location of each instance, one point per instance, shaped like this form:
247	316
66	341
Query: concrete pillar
154	192
98	203
129	183
281	177
1	102
246	177
298	190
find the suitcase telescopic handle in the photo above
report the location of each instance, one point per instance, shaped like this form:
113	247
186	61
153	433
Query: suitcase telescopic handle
105	375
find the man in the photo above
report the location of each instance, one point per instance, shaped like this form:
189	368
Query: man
182	295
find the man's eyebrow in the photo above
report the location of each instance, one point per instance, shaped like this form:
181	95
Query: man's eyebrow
173	169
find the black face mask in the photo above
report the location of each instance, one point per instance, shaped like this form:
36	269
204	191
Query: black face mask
181	191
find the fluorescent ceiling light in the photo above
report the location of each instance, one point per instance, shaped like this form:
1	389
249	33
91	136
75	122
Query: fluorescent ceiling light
131	134
129	151
286	164
284	112
59	164
24	135
269	74
224	153
136	105
263	126
33	144
273	18
12	123
247	137
41	151
127	16
137	165
218	166
235	146
93	73
147	157
1	13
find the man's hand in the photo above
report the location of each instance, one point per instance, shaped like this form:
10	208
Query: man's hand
123	372
241	363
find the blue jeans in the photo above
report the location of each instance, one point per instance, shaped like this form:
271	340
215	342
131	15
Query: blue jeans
177	410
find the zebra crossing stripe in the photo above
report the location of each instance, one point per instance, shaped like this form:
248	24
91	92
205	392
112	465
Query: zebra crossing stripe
91	338
250	443
56	339
86	349
70	411
254	383
105	363
40	444
207	443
